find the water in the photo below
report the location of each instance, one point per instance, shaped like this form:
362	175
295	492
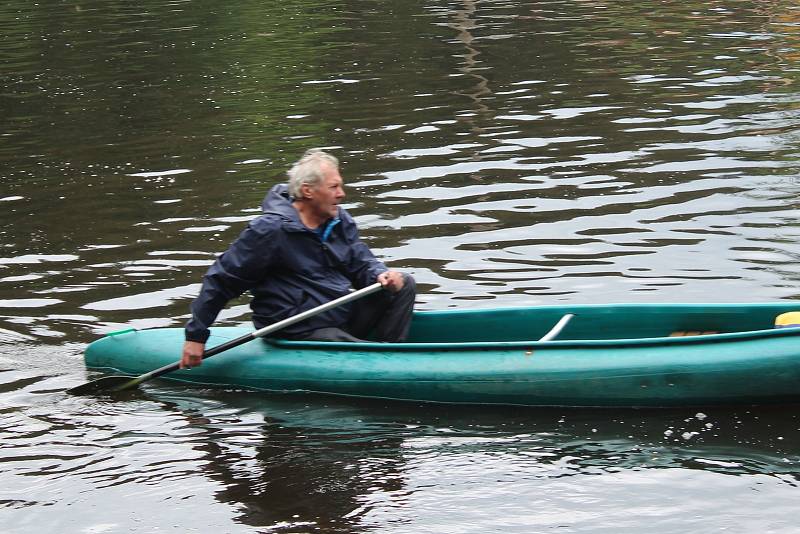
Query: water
504	153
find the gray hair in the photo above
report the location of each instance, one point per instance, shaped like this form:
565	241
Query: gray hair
309	170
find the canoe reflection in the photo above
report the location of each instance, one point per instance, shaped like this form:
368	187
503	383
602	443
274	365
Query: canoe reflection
295	463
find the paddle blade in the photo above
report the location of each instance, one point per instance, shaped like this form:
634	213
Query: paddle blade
107	384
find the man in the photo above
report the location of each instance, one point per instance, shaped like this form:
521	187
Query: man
302	252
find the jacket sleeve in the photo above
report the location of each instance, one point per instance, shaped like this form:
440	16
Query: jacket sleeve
239	268
363	266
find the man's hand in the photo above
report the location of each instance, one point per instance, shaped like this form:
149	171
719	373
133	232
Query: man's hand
391	280
192	354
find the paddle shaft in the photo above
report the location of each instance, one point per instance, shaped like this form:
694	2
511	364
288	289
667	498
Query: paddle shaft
258	333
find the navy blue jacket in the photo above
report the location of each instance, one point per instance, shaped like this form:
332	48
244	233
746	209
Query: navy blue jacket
287	268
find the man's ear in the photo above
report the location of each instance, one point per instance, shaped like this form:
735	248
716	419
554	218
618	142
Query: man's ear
305	191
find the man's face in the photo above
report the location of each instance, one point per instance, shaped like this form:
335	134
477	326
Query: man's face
324	199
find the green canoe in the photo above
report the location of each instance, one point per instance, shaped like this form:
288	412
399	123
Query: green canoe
607	355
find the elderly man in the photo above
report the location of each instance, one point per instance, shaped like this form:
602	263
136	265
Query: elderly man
302	252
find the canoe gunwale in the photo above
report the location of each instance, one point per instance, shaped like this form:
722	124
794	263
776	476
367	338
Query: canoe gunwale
553	344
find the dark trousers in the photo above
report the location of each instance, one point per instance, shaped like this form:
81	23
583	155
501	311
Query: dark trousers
385	315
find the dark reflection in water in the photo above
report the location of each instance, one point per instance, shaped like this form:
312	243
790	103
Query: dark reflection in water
305	463
373	464
505	153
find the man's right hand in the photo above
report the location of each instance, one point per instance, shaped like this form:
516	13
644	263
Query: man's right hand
192	354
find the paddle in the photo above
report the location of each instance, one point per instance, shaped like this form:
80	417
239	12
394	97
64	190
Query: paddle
559	326
120	383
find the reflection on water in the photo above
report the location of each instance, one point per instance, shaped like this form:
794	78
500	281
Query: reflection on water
233	460
504	153
499	152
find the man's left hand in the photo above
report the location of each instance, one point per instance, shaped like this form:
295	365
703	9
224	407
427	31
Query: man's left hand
391	280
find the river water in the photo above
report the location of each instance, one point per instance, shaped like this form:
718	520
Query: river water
505	153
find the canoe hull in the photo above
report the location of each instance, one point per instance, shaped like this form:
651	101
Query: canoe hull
706	370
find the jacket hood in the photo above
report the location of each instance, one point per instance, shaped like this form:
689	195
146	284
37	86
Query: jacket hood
278	202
